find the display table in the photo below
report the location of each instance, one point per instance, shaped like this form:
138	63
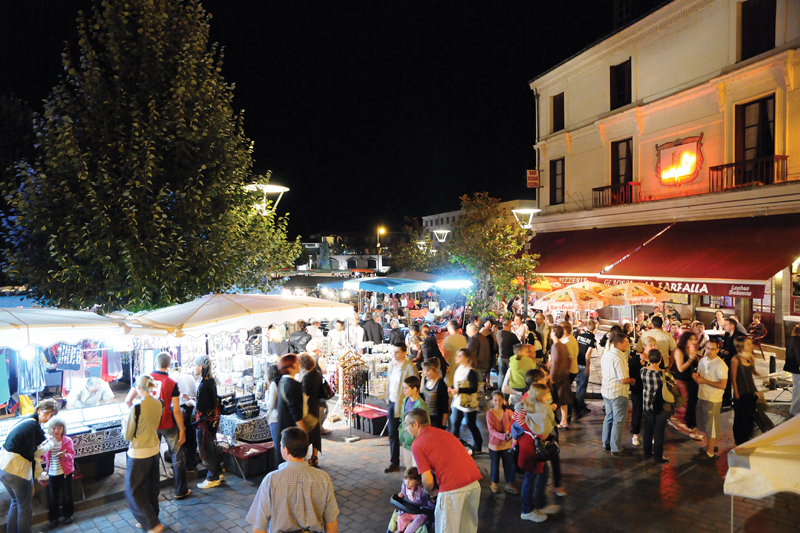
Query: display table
250	430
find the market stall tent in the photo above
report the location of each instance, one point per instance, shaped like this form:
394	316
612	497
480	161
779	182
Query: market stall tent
386	285
220	313
47	326
767	464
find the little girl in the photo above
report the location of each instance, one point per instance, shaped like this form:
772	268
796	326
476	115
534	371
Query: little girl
499	421
60	461
413	491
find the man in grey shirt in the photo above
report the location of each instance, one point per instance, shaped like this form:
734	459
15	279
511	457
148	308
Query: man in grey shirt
295	481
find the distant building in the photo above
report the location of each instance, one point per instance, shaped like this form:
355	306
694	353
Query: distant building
685	120
347	251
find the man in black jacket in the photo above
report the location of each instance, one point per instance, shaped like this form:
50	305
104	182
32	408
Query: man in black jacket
299	339
372	330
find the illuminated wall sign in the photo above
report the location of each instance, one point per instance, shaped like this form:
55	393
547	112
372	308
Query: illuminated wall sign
679	161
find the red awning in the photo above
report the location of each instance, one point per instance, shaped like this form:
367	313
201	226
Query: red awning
733	257
584	254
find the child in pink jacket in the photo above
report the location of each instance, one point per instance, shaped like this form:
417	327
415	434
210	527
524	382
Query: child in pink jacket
60	461
499	420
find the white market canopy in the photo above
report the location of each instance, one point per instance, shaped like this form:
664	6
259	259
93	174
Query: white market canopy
48	326
220	313
767	464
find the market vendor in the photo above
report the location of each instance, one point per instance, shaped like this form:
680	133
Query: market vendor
94	391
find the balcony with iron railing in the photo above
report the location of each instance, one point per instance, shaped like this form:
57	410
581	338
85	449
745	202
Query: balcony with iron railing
618	194
761	171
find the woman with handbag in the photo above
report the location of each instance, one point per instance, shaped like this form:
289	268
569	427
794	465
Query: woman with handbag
656	409
465	398
142	474
310	383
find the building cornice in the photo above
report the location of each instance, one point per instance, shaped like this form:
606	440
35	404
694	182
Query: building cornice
646	28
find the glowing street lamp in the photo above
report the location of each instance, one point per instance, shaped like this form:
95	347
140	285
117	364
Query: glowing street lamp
267	188
524	218
441	234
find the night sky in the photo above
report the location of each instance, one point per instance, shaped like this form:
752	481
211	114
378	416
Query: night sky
369	111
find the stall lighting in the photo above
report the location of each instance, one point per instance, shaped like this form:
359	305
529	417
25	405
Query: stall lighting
286	292
28	353
345	293
454	284
325	290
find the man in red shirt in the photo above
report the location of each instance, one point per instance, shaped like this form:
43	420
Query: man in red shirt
171	427
438	452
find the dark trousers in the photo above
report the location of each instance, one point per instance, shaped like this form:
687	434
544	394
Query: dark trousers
394	436
436	421
190	446
636	412
744	413
472	417
580	389
509	469
172	436
690	419
59	491
207	440
653	440
141	490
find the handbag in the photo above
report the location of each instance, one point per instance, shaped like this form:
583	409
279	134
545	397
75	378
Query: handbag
326	391
467	401
546	449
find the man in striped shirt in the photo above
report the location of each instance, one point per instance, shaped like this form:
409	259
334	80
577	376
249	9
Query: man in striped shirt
615	387
296	497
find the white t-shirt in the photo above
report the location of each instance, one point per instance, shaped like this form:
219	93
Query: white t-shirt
712	370
80	397
186	384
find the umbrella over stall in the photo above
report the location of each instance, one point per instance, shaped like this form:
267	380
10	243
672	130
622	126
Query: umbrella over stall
45	326
571	299
634	293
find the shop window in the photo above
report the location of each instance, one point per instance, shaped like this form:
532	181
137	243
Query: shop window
620	77
765	304
755	129
558	112
718	302
758	27
622	162
557	181
351	263
371	263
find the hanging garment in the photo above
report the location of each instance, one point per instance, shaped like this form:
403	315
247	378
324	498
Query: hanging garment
114	365
31	372
5	393
69	357
73	376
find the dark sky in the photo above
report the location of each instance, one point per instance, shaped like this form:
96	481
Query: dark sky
369	111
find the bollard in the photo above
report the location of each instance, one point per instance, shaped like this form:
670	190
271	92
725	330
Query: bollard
773	367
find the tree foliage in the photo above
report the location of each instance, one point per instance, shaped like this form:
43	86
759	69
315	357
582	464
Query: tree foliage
419	253
488	243
137	198
16	143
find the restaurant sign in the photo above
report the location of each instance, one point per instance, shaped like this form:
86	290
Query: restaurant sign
559	282
679	161
533	179
743	289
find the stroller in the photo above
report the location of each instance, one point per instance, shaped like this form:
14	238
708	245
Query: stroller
401	504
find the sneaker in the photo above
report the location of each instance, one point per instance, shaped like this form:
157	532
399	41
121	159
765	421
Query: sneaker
188	493
207	484
511	489
635	440
533	516
391	468
550	509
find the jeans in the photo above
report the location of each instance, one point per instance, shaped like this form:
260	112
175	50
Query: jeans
472	416
190	446
207	440
614	422
502	370
20	511
526	494
59	491
507	457
582	381
172	436
274	431
394	436
636	412
654	426
141	490
540	488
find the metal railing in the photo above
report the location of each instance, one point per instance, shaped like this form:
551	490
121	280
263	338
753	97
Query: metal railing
620	194
761	171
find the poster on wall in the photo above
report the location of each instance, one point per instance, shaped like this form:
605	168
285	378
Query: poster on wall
679	162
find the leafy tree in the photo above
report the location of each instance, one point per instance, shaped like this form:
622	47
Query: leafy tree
137	196
16	143
489	245
418	253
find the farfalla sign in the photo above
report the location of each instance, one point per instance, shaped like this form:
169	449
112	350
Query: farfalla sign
743	289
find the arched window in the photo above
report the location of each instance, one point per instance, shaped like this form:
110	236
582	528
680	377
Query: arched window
351	263
371	263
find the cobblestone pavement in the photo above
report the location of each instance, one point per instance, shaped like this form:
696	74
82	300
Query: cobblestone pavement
605	493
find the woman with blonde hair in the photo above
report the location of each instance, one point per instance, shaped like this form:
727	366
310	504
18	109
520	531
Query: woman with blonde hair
142	475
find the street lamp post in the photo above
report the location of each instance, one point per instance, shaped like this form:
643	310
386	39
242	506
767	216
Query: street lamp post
267	188
381	231
441	235
524	218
